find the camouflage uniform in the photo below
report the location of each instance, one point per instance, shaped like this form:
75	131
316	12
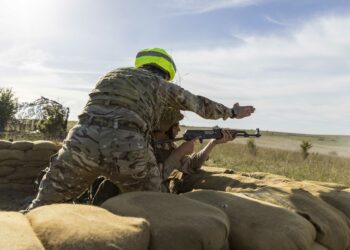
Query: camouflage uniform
112	137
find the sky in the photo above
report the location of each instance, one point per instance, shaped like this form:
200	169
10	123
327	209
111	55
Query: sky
288	58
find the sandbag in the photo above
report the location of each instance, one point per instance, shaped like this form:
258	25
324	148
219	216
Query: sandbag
337	198
317	246
257	225
26	188
5	144
3	180
176	222
22	145
25	173
6	170
41	164
16	233
40	155
9	154
67	226
45	145
12	162
327	184
220	181
331	225
267	178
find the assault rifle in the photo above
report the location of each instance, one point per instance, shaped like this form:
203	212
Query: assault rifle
214	133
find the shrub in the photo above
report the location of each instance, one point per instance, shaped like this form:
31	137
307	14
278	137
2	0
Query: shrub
8	107
305	147
54	124
252	148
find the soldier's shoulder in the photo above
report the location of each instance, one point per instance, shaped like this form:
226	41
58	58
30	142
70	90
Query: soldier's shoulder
131	71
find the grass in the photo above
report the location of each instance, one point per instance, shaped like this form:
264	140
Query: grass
291	164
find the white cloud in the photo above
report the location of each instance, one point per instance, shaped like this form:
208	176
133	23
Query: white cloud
275	21
298	82
202	6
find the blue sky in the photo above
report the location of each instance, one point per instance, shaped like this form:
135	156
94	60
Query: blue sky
290	59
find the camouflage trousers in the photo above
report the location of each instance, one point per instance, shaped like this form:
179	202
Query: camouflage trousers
90	151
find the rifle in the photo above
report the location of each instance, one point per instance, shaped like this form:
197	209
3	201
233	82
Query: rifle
214	133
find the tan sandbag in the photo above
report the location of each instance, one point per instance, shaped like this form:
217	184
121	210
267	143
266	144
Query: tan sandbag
16	233
337	198
5	144
177	222
22	145
331	225
331	193
317	246
327	184
40	164
68	226
3	180
25	173
9	154
12	162
26	188
6	170
45	145
267	177
40	155
221	182
257	225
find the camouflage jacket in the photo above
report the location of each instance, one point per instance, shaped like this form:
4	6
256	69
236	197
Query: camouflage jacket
138	96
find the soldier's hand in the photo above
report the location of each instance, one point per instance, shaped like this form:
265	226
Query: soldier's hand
226	136
240	112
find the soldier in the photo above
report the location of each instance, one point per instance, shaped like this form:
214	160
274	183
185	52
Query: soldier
178	162
113	134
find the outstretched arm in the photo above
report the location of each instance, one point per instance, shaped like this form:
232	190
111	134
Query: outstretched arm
182	99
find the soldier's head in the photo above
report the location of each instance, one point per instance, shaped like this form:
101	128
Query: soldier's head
173	131
168	126
169	122
158	61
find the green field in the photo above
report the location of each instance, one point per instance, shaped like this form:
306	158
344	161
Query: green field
291	164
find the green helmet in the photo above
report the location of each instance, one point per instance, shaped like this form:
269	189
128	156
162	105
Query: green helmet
158	57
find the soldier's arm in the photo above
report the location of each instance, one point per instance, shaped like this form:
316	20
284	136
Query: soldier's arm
182	99
179	98
191	163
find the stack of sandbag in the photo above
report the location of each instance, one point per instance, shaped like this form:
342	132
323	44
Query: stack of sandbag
332	226
202	219
257	225
326	207
176	222
22	161
67	226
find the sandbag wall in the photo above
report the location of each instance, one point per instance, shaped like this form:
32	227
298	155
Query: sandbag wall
22	161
